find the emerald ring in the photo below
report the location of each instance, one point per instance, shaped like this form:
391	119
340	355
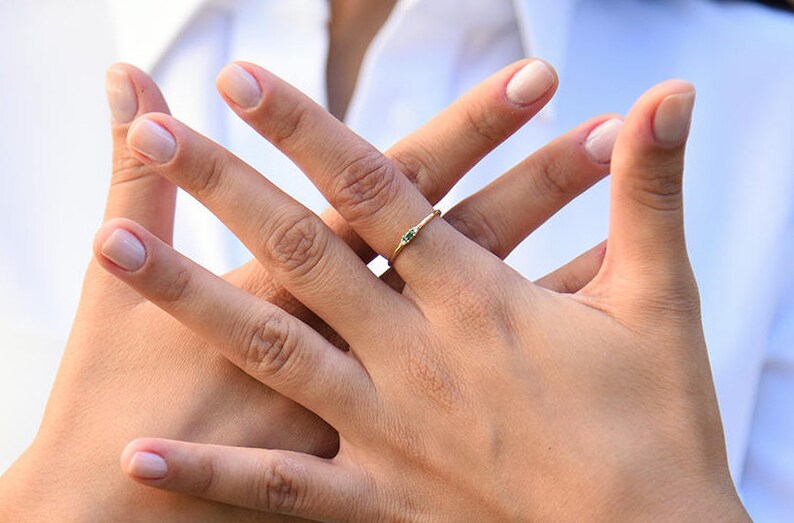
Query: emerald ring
411	235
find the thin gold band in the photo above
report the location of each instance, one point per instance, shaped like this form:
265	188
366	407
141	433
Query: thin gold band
411	235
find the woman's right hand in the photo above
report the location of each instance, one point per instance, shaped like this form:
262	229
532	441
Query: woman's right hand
130	370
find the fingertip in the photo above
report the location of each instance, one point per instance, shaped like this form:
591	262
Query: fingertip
534	82
130	92
673	116
601	138
237	84
117	245
121	95
152	139
127	68
140	461
661	116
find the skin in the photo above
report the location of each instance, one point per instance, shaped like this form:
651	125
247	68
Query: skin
130	370
466	394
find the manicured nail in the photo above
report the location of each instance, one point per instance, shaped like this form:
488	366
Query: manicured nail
530	83
601	140
147	465
125	250
152	139
238	84
121	96
673	116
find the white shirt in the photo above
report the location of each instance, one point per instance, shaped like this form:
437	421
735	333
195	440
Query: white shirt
739	191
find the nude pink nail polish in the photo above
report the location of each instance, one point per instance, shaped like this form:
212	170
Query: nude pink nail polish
147	465
125	250
530	83
121	95
152	140
673	117
239	85
601	140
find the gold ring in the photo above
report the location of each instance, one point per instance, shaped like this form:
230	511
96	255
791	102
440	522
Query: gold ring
411	235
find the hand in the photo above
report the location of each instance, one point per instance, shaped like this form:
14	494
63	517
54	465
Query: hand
473	394
130	370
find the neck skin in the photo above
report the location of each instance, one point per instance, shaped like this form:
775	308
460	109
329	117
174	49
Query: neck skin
354	23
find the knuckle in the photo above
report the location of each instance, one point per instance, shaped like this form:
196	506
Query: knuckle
366	184
485	124
472	223
204	477
270	347
418	164
276	488
551	177
658	189
206	178
296	245
176	287
127	169
289	126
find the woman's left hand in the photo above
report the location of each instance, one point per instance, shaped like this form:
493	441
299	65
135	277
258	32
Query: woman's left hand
471	394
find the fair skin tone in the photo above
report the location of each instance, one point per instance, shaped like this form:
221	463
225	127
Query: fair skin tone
126	356
75	453
144	330
470	393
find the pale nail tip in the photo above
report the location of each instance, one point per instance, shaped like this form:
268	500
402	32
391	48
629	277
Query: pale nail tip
239	85
152	140
601	141
125	250
147	465
121	95
673	117
530	83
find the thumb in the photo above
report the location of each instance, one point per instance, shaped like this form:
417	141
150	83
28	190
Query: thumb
136	192
646	236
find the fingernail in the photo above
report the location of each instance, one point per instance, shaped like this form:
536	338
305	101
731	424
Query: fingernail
121	96
239	85
601	140
672	119
152	139
125	250
530	83
147	465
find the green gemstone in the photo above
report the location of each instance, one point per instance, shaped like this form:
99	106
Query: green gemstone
409	235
